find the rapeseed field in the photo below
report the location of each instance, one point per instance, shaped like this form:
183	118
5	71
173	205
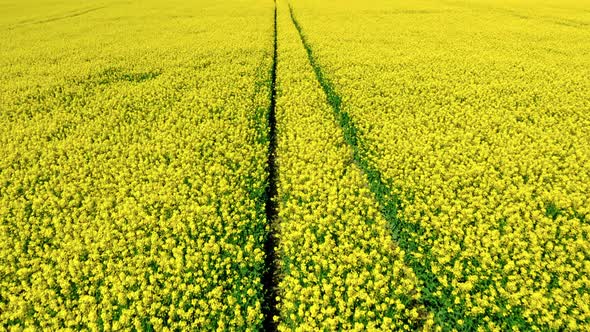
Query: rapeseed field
294	165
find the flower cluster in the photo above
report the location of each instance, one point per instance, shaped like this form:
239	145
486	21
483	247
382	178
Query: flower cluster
478	118
339	268
132	170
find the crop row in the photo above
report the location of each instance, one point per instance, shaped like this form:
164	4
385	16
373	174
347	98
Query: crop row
483	135
132	172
